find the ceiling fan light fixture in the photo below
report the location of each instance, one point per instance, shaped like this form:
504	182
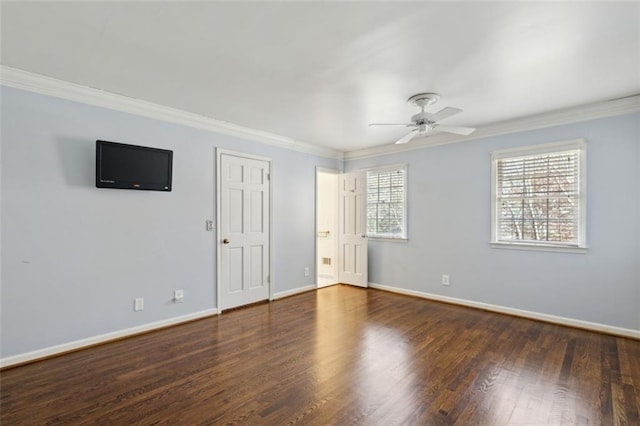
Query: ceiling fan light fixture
423	121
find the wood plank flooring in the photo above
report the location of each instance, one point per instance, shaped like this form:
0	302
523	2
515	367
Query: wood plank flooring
340	355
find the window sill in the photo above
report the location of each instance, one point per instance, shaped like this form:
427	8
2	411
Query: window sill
389	239
538	247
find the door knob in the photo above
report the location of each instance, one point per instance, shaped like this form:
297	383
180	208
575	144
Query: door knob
225	241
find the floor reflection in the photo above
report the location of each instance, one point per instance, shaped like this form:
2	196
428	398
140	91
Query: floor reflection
377	366
335	331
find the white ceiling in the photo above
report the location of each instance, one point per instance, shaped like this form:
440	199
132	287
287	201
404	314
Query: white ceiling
319	72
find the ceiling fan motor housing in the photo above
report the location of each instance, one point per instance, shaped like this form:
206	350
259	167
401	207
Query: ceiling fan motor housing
421	118
423	100
422	122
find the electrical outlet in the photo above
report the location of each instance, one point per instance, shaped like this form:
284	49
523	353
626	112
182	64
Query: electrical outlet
445	279
138	304
306	272
178	296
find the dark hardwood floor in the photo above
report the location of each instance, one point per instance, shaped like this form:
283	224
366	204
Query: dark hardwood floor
341	355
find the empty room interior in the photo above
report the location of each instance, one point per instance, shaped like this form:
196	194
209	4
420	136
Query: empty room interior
322	213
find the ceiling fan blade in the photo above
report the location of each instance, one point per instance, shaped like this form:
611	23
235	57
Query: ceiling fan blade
391	124
406	138
444	113
458	130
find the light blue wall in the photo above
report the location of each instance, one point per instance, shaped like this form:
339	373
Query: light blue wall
449	229
74	257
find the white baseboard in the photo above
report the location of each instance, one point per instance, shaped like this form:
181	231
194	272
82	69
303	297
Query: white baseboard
586	325
103	338
288	293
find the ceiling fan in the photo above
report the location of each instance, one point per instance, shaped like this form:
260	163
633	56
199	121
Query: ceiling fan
423	122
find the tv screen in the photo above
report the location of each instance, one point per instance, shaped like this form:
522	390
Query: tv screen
125	166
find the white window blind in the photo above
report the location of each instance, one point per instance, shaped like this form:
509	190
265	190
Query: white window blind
386	202
539	196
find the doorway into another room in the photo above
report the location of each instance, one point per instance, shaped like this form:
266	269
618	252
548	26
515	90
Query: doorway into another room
326	227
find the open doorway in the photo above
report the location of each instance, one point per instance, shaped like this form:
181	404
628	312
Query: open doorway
327	272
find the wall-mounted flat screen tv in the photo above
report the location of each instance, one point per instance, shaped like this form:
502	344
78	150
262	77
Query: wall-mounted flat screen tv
126	166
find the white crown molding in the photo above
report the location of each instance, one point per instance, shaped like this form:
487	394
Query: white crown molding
100	339
24	80
548	119
19	79
553	319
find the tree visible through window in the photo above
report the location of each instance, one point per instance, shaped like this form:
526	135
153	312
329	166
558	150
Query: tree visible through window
539	195
386	204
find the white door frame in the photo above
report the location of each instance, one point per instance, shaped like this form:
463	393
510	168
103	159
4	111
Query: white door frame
333	172
219	153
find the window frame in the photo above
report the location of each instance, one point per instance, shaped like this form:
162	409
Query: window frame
379	169
543	149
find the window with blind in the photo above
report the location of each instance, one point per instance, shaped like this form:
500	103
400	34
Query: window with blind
386	202
539	195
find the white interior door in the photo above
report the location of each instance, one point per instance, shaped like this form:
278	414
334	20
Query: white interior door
243	233
353	229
